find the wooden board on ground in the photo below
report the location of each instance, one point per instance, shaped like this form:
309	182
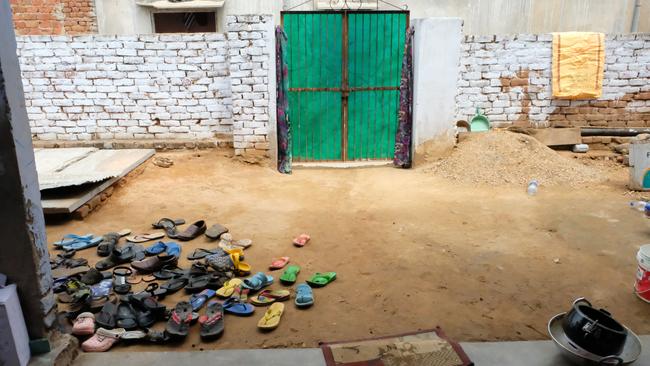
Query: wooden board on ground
108	166
557	136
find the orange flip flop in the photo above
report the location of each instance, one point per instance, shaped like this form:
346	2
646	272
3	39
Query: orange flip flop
279	263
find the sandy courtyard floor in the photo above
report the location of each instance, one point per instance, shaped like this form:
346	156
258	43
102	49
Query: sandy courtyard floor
412	251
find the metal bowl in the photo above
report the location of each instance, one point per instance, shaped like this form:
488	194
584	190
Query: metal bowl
631	350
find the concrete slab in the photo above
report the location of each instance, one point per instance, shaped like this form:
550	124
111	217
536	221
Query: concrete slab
71	177
535	353
255	357
73	167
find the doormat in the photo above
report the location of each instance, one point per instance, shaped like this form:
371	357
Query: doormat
424	348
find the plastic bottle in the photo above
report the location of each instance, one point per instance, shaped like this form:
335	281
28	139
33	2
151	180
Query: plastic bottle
638	205
532	187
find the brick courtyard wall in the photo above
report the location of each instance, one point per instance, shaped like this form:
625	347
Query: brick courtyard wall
54	17
509	78
156	87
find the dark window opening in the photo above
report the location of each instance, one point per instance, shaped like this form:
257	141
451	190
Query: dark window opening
185	22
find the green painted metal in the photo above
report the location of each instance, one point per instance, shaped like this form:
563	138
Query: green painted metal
376	46
315	44
323	103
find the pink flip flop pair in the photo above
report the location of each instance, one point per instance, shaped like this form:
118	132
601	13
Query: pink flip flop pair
301	240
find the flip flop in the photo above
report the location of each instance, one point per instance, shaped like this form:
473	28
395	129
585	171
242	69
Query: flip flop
173	249
179	323
126	316
198	300
268	297
197	283
258	281
241	293
168	225
229	287
243	243
290	275
156	248
212	323
168	273
272	317
133	335
321	279
148	278
201	253
215	231
83	244
301	240
279	263
304	296
172	286
107	316
236	307
92	277
109	241
71	238
141	238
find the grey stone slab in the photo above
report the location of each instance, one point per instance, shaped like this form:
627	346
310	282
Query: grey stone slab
255	357
534	353
80	167
88	176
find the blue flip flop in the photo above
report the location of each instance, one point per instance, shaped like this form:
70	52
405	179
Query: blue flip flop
198	300
156	248
72	238
173	249
236	307
83	244
304	296
257	281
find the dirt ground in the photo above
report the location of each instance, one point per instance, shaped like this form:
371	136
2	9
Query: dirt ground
412	250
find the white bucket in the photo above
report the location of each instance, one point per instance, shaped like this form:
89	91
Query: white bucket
642	285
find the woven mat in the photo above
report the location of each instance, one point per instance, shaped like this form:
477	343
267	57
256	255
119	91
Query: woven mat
425	348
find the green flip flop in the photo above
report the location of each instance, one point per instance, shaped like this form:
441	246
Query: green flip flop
290	275
321	279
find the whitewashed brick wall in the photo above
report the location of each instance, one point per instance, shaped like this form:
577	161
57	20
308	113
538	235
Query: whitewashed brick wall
509	78
250	38
159	86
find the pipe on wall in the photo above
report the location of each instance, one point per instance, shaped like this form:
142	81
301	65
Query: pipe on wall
591	131
635	16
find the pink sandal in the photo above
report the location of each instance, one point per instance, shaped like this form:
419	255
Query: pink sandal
84	324
103	340
301	240
279	263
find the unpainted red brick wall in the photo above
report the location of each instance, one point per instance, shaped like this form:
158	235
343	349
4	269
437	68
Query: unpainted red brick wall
50	17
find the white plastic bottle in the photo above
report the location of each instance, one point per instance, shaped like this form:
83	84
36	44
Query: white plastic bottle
533	187
638	205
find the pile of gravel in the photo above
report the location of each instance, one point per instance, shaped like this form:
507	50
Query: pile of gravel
502	157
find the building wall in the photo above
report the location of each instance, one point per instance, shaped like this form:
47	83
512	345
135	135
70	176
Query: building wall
509	78
54	17
162	86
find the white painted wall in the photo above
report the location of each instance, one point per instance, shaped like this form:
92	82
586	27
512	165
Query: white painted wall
436	45
123	17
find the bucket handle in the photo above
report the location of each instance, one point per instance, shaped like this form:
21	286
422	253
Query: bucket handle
581	299
608	360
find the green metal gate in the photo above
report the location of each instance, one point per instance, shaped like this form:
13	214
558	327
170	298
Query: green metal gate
344	75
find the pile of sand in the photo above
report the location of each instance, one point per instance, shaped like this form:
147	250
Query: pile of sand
502	157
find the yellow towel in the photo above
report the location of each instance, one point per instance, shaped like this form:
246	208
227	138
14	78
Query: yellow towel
578	63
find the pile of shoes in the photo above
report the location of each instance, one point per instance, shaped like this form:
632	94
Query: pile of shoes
106	308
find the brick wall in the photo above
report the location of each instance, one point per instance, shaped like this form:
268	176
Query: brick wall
251	40
161	86
54	17
509	78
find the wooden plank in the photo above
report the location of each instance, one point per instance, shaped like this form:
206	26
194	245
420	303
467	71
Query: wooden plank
557	136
